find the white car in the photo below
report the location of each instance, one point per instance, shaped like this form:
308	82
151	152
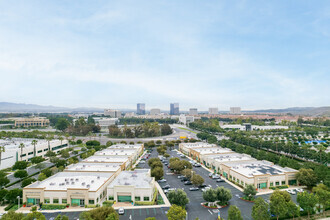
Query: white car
300	190
206	188
121	211
216	176
162	181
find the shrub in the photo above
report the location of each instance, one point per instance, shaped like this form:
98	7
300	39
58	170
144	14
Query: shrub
53	206
90	206
143	203
108	203
9	206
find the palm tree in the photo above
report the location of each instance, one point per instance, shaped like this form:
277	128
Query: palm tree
2	149
34	143
21	145
49	139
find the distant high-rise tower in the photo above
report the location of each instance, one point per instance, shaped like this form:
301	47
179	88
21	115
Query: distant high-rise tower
213	111
174	109
235	110
141	109
193	111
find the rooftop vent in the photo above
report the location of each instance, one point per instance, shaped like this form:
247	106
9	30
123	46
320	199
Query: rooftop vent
92	181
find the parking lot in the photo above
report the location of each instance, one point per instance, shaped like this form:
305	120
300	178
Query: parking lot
194	207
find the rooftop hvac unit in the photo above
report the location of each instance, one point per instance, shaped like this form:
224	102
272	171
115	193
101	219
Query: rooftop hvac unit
84	165
77	179
92	181
98	177
88	186
83	183
71	179
72	183
67	183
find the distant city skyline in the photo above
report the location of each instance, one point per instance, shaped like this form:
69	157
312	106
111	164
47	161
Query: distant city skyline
114	54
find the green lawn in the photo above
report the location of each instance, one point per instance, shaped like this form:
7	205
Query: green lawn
188	130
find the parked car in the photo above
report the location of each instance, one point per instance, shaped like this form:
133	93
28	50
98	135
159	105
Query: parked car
165	191
220	180
206	188
142	161
193	188
166	187
202	186
215	176
197	165
171	189
121	211
183	156
184	179
187	183
165	163
299	190
162	181
210	175
180	176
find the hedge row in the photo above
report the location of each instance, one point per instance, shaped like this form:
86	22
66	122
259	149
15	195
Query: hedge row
53	206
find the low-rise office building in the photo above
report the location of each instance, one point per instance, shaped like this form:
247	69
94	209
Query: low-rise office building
104	123
200	153
215	161
249	127
262	174
109	159
31	122
186	147
132	186
73	188
14	151
95	167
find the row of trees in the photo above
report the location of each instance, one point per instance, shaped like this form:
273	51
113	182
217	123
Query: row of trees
156	166
147	129
135	121
282	206
289	148
206	125
211	139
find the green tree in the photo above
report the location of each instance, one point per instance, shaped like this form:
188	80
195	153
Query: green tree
176	213
21	146
307	201
210	195
65	154
3	179
234	213
278	204
2	149
156	164
27	182
260	210
34	143
42	177
152	160
223	195
100	213
12	215
151	218
20	165
61	217
323	194
157	172
187	173
20	174
306	177
250	191
3	193
11	196
178	197
62	124
50	154
197	180
293	209
37	160
34	215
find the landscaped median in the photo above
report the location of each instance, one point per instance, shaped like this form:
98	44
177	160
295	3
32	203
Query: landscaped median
216	205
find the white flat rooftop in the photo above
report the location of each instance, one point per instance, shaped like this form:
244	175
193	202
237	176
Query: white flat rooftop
138	178
74	180
213	150
13	144
125	146
99	167
106	159
110	151
230	157
252	168
197	145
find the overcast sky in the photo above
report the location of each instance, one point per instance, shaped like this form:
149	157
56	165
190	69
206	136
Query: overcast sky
253	54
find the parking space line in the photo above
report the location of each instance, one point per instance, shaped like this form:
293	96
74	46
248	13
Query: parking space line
210	212
155	211
140	212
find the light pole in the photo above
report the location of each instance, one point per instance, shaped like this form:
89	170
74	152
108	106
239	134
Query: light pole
18	198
